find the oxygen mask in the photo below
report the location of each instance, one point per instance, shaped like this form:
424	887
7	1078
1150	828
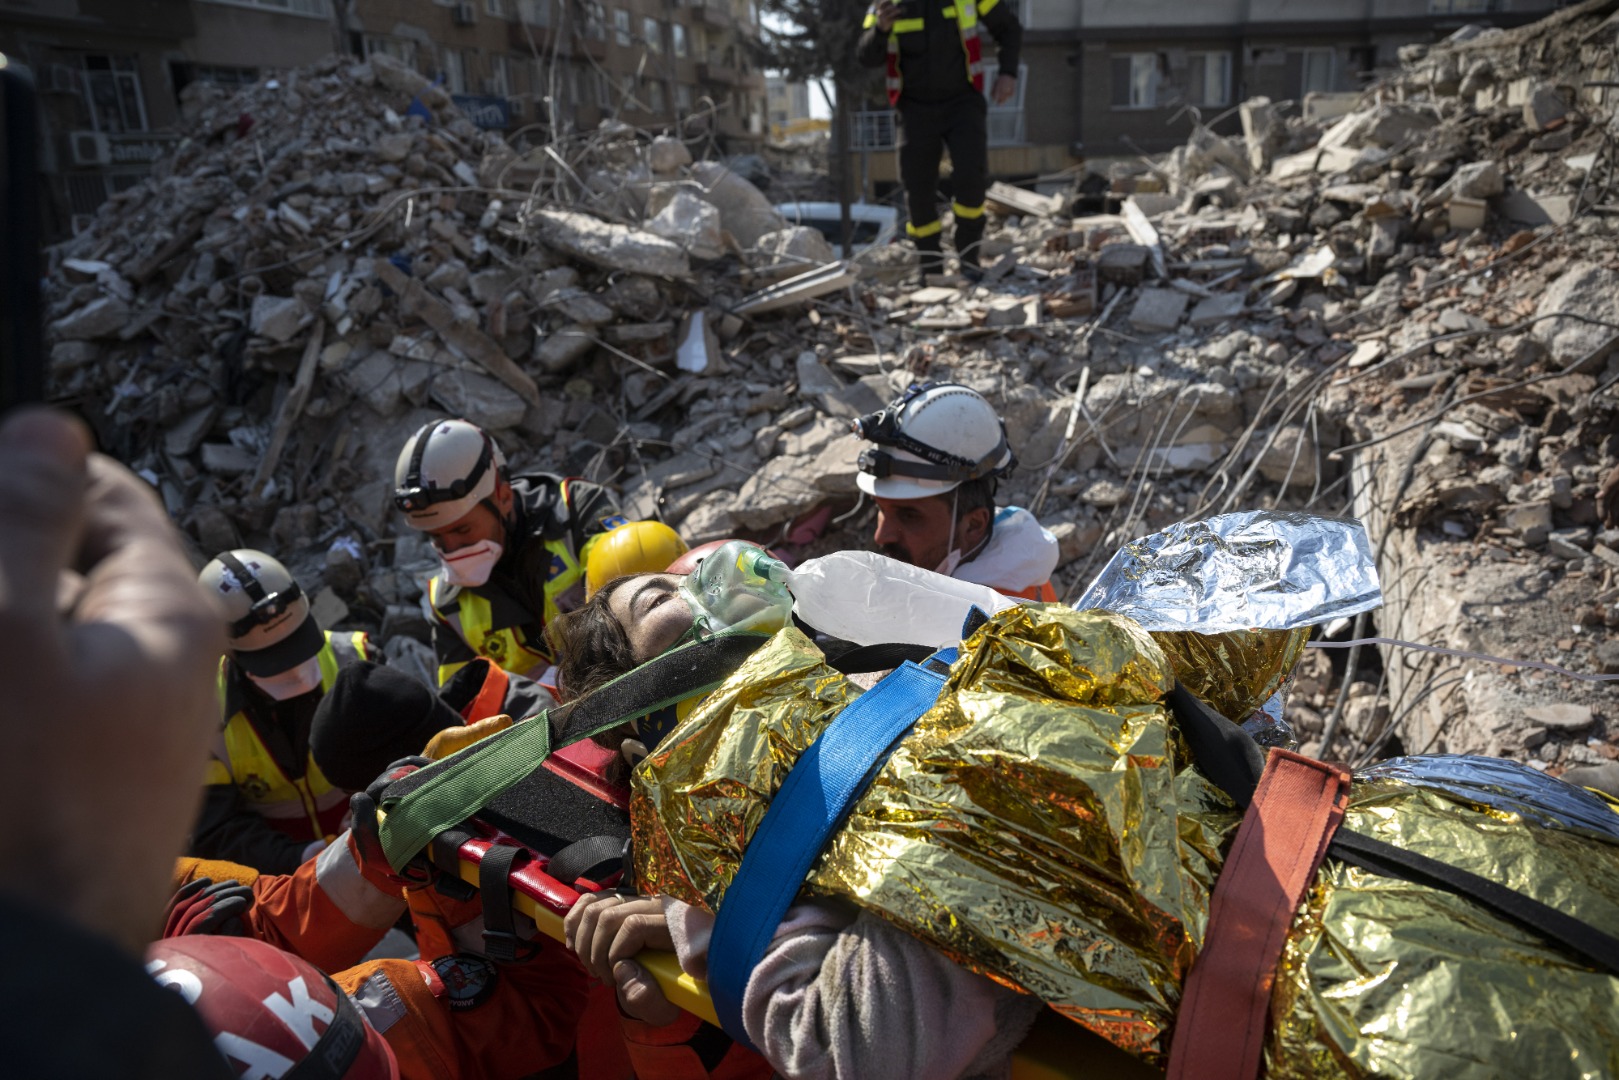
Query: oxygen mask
739	586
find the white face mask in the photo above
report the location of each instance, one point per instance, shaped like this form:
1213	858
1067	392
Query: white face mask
289	684
471	566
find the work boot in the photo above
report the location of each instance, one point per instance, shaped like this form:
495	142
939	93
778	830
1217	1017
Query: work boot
968	239
929	255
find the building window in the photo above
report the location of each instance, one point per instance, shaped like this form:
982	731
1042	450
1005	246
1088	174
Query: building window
604	89
683	97
112	90
654	96
1461	7
497	8
534	12
652	30
682	46
1005	122
1208	78
500	77
621	26
626	89
454	71
1138	80
318	8
1316	74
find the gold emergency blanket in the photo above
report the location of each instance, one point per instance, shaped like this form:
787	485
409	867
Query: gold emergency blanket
1042	824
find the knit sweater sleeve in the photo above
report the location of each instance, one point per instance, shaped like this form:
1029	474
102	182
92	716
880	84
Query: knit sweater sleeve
841	995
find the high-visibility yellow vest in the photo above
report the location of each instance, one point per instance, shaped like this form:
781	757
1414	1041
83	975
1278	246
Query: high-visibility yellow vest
248	763
965	13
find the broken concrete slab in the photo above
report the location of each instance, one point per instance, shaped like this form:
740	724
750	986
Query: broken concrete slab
610	245
1587	289
1215	309
486	402
744	211
1544	108
1561	716
692	223
1158	311
1531	209
99	318
799	289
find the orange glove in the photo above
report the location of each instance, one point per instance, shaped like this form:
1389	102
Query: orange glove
456	739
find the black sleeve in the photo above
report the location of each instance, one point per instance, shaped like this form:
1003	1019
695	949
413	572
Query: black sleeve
1003	25
872	50
228	828
449	648
77	1007
588	504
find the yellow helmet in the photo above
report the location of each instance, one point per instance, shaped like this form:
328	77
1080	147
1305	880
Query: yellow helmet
636	547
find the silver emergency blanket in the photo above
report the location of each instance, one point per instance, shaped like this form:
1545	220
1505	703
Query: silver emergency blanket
1261	569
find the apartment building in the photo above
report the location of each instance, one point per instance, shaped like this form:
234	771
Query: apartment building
787	106
1120	76
111	72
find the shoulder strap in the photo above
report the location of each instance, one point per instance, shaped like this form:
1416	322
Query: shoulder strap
1296	807
813	801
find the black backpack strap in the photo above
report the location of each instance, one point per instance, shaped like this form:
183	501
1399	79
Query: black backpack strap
500	941
1224	753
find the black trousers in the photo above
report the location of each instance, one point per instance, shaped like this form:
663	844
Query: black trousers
925	130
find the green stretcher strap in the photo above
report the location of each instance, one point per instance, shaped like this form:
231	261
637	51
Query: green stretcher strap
464	784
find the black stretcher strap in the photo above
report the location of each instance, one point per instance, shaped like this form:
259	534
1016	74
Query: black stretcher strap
500	941
864	659
593	858
1580	938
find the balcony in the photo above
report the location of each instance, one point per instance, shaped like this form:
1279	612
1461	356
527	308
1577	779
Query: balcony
716	13
717	71
519	32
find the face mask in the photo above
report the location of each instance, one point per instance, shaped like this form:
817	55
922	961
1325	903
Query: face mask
953	558
471	566
289	684
737	587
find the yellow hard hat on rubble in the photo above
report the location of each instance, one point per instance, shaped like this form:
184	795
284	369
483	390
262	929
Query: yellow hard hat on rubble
636	547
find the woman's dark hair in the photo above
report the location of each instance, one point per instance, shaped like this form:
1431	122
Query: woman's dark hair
590	646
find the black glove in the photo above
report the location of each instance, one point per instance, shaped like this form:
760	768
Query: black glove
206	906
368	838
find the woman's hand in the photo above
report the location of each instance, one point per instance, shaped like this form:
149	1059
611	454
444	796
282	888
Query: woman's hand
606	931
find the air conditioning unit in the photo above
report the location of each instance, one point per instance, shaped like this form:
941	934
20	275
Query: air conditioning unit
90	148
60	79
464	13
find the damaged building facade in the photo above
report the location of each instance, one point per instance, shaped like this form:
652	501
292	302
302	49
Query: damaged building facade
113	75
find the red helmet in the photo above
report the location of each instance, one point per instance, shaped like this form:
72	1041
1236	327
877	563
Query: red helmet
686	563
270	1011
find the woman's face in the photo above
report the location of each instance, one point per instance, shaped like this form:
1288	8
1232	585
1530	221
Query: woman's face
652	613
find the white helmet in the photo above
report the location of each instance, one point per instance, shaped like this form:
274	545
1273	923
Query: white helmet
268	618
446	468
933	439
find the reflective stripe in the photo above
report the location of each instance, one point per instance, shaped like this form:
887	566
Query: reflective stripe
871	20
906	26
216	772
987	6
379	1002
338	876
967	211
561	581
924	230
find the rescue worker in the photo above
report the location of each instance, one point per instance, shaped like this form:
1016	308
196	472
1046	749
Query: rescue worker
934	54
274	1015
513	548
266	803
939	452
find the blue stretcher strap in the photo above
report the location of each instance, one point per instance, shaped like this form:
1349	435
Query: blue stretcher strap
813	801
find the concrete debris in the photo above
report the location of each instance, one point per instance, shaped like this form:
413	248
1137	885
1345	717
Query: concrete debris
1399	304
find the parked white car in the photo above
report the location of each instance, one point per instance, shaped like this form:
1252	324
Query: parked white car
873	225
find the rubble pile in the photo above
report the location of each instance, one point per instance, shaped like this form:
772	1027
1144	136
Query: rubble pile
1399	305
